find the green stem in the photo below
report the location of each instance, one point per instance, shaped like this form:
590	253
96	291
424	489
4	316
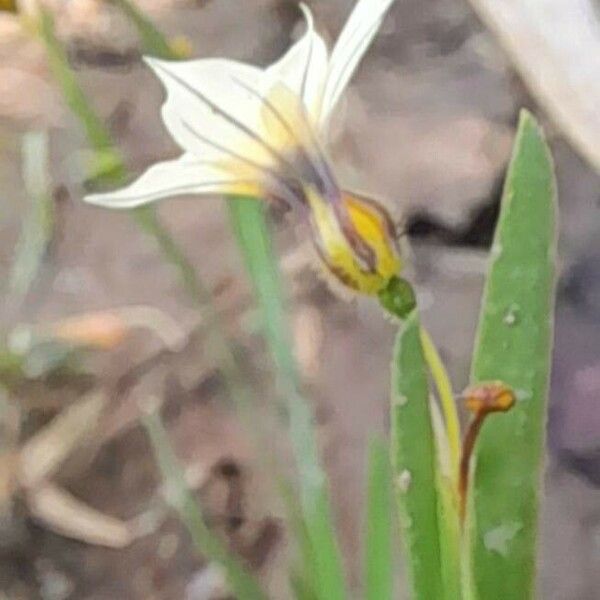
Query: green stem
441	379
250	226
146	218
448	501
465	462
153	40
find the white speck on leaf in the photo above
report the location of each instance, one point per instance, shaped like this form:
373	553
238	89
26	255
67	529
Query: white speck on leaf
498	539
400	399
406	522
511	316
521	395
403	481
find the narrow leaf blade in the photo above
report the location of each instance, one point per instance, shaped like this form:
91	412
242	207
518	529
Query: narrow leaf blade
413	460
249	223
153	40
379	538
514	345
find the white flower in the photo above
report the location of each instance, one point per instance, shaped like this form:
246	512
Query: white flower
258	133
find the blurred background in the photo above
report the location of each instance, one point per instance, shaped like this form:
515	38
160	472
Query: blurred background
428	124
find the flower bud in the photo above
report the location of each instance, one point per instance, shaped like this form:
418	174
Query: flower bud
361	254
488	397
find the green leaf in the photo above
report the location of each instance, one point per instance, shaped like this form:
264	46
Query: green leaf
379	570
249	224
254	239
153	40
414	463
514	344
107	157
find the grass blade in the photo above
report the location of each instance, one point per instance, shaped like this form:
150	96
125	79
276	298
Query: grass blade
514	345
107	159
263	270
448	450
153	40
320	552
414	463
146	218
38	227
379	568
242	583
250	226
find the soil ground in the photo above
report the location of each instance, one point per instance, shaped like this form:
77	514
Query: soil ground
427	124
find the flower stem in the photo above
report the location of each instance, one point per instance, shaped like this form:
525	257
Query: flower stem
249	223
446	396
152	39
465	462
481	399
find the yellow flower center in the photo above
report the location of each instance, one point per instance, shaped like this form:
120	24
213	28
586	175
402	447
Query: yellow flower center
374	227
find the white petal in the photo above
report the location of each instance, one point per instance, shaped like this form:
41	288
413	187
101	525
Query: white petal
303	68
213	108
358	33
285	121
186	175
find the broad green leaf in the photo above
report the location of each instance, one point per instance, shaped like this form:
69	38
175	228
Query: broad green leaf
514	344
414	463
378	559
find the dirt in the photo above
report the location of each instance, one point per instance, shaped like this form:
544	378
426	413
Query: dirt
428	124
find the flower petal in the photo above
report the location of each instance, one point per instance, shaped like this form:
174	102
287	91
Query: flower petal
186	175
359	30
210	110
303	68
286	122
